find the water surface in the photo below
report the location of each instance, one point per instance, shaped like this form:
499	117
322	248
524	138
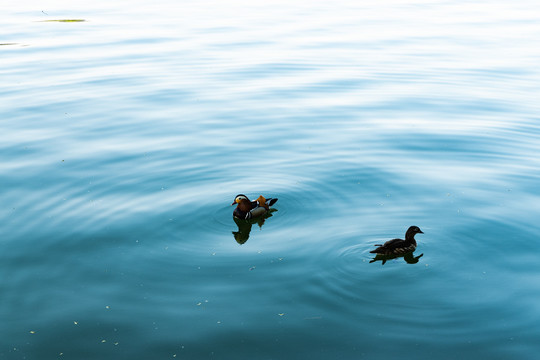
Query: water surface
127	135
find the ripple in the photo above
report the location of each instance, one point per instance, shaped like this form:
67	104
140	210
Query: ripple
126	140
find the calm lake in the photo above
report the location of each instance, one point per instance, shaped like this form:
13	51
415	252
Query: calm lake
128	127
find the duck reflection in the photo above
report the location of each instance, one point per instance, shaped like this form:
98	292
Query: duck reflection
244	226
408	257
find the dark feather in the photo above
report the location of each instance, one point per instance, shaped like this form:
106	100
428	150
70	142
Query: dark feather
271	201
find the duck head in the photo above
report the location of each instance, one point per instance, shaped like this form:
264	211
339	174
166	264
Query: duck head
239	198
413	230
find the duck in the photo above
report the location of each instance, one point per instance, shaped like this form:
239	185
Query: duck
247	209
399	246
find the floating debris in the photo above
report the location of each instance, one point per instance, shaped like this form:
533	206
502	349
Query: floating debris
64	20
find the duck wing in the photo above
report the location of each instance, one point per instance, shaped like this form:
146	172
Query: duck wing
388	246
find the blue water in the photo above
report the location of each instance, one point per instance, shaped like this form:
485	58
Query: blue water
126	136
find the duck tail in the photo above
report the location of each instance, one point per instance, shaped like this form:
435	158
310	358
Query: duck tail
271	201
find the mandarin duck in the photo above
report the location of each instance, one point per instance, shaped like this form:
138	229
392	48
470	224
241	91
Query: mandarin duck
247	209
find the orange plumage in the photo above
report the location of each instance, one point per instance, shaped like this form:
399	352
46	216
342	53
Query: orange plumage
262	202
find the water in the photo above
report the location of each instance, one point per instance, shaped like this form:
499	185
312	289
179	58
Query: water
126	136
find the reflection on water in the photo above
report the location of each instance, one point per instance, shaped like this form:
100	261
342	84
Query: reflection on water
408	257
244	226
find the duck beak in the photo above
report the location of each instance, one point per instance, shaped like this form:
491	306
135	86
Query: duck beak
420	231
234	202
